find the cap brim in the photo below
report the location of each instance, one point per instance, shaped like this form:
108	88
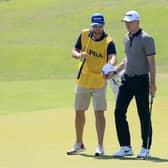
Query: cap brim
128	19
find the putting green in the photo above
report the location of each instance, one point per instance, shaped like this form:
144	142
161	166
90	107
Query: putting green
41	139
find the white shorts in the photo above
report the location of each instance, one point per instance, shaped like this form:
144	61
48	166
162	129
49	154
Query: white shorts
83	97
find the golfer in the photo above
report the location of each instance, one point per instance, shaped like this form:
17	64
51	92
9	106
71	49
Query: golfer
94	48
138	80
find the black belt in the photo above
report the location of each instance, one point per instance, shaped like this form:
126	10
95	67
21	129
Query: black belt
135	76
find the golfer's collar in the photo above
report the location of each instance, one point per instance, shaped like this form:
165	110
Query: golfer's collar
101	38
136	34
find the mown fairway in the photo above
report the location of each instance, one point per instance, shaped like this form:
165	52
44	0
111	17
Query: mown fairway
37	83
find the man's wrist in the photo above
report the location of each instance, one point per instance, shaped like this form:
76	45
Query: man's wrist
152	84
115	72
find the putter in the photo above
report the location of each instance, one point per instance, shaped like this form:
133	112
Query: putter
150	111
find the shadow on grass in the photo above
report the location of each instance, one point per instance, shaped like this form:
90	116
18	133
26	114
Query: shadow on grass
106	157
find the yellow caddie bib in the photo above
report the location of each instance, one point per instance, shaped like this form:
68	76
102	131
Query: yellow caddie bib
89	73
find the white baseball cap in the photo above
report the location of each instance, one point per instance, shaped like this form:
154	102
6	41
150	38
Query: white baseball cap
108	68
131	16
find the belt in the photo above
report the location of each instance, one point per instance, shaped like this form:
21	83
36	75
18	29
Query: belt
135	76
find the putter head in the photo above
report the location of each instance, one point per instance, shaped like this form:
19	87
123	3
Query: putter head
144	158
147	158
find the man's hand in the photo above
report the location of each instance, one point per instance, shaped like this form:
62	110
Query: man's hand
78	55
83	54
152	89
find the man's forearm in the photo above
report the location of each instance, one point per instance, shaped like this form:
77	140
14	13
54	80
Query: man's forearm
76	54
121	66
112	59
152	70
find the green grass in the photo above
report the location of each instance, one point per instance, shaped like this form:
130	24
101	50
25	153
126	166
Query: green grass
41	139
35	95
37	36
37	78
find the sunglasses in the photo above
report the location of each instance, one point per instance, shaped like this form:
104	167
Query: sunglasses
97	26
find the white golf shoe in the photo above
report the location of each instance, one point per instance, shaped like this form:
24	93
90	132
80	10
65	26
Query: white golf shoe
77	148
99	150
144	153
124	151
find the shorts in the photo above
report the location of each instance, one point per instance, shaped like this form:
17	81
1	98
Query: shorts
83	97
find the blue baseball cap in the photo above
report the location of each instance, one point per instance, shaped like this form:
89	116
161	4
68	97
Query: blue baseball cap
97	19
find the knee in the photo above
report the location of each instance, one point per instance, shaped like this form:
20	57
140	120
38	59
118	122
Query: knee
80	114
99	114
119	114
